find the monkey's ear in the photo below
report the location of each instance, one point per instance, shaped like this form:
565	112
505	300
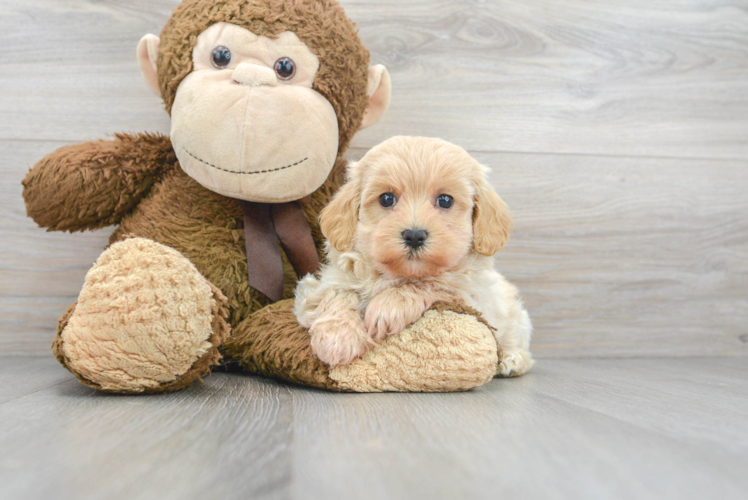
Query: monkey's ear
339	219
379	91
147	55
491	221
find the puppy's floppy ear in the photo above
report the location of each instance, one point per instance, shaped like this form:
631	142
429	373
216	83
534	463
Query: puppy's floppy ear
491	220
339	219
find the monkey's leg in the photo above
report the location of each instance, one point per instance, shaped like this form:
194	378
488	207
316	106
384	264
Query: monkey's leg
449	349
146	321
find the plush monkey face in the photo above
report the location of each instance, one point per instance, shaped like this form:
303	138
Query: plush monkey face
255	117
246	122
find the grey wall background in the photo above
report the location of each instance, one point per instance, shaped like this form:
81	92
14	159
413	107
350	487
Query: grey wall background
617	131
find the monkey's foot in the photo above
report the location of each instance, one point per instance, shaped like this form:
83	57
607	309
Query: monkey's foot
146	321
449	349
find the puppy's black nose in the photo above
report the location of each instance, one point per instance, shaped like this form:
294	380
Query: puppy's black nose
415	238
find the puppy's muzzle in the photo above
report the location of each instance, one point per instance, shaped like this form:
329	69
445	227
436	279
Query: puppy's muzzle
415	238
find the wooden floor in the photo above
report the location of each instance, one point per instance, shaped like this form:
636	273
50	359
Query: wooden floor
586	429
617	133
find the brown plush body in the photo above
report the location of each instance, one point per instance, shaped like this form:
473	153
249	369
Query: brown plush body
136	182
171	294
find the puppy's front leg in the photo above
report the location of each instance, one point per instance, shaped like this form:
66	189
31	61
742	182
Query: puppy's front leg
338	334
393	309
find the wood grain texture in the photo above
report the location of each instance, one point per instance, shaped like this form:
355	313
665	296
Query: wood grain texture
582	429
618	134
573	76
636	78
21	376
619	251
41	273
628	257
614	256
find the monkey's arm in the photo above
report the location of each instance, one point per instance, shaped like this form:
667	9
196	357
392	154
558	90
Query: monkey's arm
94	184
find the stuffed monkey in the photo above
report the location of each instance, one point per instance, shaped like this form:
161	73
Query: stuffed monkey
219	220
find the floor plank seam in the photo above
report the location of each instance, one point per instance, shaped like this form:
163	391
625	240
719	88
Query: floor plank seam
470	150
35	391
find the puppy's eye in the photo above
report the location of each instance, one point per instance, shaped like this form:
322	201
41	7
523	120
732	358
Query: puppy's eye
387	200
221	57
445	201
285	68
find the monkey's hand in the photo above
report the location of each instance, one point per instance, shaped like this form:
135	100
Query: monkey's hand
390	311
95	184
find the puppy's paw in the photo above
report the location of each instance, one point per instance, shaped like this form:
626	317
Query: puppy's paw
338	341
387	315
443	351
306	300
514	363
380	325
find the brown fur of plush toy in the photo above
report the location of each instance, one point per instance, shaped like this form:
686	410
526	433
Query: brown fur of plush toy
322	25
135	181
451	349
95	184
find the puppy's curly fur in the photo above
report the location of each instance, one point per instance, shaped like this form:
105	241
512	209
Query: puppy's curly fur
375	283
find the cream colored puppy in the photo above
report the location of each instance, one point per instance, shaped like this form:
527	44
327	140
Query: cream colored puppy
416	223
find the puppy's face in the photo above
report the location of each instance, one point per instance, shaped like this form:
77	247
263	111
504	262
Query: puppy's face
416	207
415	218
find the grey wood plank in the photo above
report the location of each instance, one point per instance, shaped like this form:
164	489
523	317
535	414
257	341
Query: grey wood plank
24	375
69	70
567	76
511	439
41	273
615	256
227	438
704	403
578	429
638	78
628	257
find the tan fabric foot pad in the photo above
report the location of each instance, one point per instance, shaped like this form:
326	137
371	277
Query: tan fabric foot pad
146	321
444	351
450	349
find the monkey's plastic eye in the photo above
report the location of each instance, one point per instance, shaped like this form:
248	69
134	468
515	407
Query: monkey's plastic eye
285	68
387	200
221	57
445	201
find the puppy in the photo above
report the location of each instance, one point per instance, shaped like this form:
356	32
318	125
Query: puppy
415	223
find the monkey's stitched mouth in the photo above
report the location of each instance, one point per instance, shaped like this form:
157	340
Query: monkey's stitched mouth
245	173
